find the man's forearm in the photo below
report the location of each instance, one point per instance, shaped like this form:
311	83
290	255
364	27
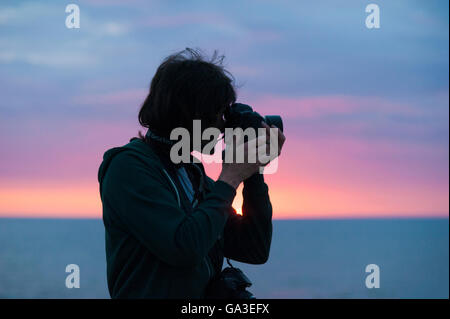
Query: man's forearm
248	237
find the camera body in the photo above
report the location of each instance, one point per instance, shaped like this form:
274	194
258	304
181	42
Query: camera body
231	283
243	116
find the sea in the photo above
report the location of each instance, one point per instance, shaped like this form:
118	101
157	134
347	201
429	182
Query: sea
308	259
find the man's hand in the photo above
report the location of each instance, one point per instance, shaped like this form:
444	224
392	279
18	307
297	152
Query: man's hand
234	173
279	134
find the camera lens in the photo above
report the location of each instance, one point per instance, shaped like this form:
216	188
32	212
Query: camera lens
274	120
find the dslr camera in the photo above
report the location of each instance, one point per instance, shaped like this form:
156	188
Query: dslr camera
231	283
243	116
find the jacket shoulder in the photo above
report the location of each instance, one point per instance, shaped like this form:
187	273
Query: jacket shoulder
129	159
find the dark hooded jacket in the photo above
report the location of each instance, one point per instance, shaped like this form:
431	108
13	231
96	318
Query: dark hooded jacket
157	244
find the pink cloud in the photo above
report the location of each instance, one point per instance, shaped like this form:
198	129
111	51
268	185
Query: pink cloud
316	106
68	152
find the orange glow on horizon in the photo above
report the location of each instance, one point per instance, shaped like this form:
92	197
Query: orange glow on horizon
78	201
83	201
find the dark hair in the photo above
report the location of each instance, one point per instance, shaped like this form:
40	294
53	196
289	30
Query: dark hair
187	86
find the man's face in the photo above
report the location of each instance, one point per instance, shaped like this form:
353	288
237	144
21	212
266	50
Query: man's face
219	124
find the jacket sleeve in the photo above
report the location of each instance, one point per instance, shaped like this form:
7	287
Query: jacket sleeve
144	203
247	237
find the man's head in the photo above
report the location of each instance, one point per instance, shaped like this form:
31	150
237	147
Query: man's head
187	86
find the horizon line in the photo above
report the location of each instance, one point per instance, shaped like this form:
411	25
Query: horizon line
278	219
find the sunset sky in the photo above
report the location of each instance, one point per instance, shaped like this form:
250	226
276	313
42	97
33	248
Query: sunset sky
365	111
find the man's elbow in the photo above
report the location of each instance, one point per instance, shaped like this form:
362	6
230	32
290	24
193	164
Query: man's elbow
264	250
260	258
259	261
259	254
264	258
